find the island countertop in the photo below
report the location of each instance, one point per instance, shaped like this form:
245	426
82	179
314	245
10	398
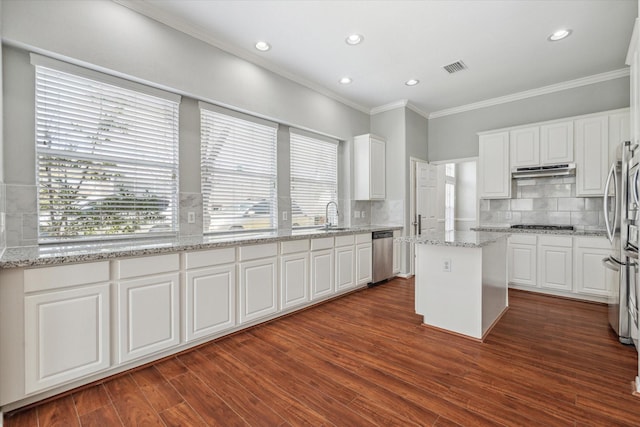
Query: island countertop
465	239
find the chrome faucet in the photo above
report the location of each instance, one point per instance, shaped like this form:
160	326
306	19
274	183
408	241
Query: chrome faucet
328	224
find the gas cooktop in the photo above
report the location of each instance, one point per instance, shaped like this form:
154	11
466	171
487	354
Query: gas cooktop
543	227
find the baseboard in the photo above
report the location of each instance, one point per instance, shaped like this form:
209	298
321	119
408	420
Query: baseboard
404	275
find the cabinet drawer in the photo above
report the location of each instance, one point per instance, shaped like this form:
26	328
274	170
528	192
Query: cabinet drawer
294	246
523	239
344	240
592	242
47	278
323	243
363	238
258	251
210	258
562	241
146	266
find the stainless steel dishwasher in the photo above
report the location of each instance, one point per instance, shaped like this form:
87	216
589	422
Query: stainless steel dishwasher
382	255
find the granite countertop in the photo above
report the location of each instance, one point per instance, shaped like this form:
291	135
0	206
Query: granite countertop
31	256
463	239
507	229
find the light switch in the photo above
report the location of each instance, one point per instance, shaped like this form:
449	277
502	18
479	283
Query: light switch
191	217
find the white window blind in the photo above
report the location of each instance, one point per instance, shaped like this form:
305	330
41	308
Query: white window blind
238	172
107	159
314	179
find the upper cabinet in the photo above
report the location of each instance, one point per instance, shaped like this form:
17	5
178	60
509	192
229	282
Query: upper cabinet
369	167
494	175
592	155
633	61
525	147
556	143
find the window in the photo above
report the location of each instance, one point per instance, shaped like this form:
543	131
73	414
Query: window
107	155
238	171
314	179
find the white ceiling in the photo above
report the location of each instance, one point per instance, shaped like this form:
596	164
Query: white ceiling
503	43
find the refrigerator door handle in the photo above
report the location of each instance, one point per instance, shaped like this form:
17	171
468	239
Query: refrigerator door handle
605	202
611	263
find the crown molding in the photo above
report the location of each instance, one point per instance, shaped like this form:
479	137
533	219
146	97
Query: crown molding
584	81
145	8
388	107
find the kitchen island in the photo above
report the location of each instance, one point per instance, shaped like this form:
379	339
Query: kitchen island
461	280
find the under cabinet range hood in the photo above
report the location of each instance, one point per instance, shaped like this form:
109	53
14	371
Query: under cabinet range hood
564	169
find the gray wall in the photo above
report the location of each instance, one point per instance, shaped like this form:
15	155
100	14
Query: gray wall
454	136
113	37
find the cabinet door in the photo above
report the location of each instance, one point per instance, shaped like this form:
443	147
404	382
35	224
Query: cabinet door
592	159
377	170
322	274
294	279
619	131
554	267
258	289
493	167
522	264
363	263
524	145
66	335
148	314
397	252
556	143
345	268
210	301
590	273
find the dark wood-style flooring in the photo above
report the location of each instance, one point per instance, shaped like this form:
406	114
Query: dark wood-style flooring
365	360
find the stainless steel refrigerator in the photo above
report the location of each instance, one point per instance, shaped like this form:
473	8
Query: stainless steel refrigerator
615	206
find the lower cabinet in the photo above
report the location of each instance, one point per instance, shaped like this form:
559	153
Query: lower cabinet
364	254
148	298
66	329
522	260
555	262
294	273
257	282
590	273
66	335
345	263
322	268
210	292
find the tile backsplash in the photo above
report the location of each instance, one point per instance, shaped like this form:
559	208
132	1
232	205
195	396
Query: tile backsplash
544	201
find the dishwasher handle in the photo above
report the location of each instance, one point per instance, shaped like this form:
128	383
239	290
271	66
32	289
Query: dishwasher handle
381	234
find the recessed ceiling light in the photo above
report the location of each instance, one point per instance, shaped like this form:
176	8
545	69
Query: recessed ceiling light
263	46
559	35
345	80
354	39
412	82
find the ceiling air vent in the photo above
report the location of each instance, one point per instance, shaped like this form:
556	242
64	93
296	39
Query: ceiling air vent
455	67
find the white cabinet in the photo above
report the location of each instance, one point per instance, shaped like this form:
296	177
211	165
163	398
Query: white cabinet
522	259
555	262
369	167
364	256
633	61
345	263
397	252
524	145
257	281
66	331
494	175
590	273
210	292
322	268
294	273
556	143
148	298
619	131
592	155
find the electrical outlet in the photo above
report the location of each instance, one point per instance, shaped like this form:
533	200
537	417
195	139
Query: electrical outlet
285	215
446	265
363	214
191	217
356	214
